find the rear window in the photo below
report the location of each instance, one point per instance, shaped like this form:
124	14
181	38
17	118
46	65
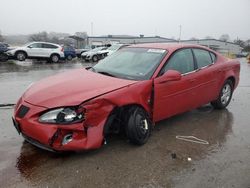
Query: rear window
203	57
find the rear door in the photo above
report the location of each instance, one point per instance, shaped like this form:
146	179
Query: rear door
48	49
174	97
206	76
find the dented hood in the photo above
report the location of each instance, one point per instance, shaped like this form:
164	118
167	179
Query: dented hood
71	88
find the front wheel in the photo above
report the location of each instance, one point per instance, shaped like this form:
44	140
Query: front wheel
225	96
21	56
139	126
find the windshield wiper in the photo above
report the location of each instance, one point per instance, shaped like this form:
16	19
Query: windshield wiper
106	73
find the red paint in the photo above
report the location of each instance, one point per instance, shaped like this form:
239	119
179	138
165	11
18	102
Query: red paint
161	96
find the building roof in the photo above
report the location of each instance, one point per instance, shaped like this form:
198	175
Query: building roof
168	46
209	40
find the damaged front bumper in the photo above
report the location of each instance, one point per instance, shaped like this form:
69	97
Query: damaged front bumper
84	135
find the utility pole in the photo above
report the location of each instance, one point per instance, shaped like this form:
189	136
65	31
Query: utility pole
180	33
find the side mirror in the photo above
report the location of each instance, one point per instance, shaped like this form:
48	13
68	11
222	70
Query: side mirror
170	75
29	46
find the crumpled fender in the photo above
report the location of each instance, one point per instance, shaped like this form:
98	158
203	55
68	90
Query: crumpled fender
98	110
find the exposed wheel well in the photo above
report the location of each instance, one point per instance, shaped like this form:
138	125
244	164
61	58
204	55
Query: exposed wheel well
232	79
55	54
117	119
22	52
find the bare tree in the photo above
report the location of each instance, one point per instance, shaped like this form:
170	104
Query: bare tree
225	37
41	36
240	42
209	37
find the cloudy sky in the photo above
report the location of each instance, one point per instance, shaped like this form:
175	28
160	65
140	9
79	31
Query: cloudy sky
198	18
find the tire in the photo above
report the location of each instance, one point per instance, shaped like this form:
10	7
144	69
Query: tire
138	126
69	57
3	57
225	96
94	58
21	56
54	58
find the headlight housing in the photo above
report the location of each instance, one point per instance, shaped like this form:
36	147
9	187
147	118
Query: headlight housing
65	115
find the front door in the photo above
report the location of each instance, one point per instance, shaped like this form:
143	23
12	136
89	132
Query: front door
34	50
175	97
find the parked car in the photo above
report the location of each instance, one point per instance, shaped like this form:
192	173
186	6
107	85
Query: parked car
80	51
104	53
3	51
130	90
92	54
69	52
38	50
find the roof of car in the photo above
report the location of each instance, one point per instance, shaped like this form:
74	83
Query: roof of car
167	46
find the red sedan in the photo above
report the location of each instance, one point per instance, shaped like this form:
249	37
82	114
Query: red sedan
129	90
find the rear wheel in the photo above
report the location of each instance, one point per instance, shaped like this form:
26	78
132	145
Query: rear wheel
225	96
69	57
138	126
21	56
54	58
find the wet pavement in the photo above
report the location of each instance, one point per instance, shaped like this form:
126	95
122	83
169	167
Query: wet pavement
162	162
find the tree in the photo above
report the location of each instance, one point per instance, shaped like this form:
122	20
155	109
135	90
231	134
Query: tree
193	38
240	42
225	37
209	37
247	46
41	36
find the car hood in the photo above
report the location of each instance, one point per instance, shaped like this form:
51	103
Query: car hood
72	88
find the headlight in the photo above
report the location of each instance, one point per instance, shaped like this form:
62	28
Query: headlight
63	116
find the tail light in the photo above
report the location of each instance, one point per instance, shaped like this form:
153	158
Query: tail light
62	49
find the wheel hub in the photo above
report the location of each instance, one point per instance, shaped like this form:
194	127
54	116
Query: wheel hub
226	94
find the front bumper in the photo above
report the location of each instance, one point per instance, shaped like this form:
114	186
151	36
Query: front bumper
51	136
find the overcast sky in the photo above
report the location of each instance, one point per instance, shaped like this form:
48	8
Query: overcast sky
198	18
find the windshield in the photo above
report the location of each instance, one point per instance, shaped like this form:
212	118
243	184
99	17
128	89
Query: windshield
131	63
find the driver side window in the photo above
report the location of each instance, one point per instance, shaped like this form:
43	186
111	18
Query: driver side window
181	61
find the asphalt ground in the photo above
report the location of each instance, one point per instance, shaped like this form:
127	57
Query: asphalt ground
163	162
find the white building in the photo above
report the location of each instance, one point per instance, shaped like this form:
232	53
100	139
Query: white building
227	48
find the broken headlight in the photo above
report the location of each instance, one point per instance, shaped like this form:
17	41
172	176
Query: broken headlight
63	115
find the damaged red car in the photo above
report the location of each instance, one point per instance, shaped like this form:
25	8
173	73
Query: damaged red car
129	90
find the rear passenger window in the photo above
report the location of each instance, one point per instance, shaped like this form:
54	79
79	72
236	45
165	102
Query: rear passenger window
203	58
181	61
49	46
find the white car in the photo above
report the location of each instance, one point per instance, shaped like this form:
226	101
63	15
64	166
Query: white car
38	50
92	54
110	50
